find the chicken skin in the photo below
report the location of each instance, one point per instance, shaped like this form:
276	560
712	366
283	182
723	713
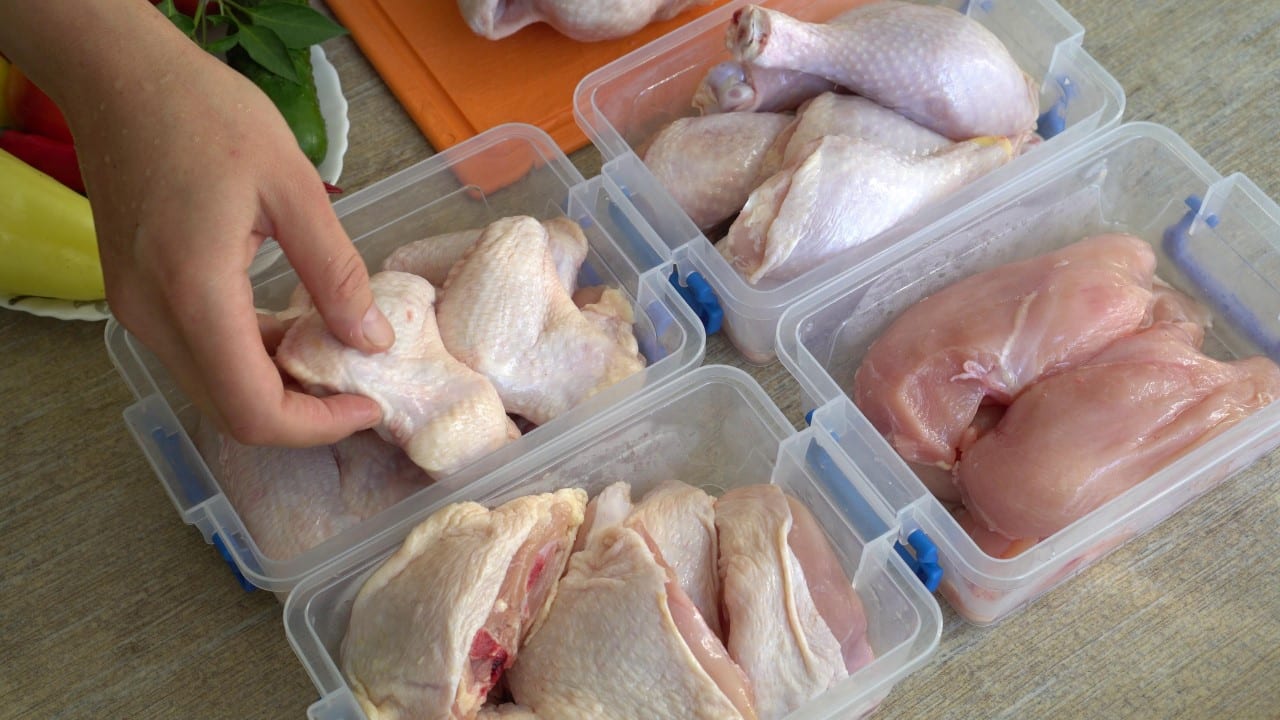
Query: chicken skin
582	20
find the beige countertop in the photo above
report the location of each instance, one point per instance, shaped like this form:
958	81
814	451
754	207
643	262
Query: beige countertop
110	606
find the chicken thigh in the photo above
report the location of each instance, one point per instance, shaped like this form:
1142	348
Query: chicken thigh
855	117
623	642
292	499
433	257
506	315
795	625
840	192
711	163
434	627
1075	440
932	64
990	335
441	412
582	20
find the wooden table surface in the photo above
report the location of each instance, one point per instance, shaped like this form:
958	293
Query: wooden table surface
111	607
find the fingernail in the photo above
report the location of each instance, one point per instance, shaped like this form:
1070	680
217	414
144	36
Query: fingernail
376	328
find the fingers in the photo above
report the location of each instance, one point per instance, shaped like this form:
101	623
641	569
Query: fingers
327	263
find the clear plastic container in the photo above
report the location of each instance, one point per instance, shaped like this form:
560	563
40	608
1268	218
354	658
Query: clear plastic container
623	104
420	201
1216	239
714	428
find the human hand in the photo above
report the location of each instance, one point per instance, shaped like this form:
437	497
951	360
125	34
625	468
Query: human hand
189	168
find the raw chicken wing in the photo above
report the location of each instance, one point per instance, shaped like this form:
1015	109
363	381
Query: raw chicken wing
928	62
433	257
582	20
623	642
711	163
795	625
1075	440
434	627
989	336
506	315
840	192
441	412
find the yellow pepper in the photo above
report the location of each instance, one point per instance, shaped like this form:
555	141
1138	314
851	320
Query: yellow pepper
47	243
5	120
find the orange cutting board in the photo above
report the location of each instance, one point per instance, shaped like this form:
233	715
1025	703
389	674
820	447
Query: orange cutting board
455	84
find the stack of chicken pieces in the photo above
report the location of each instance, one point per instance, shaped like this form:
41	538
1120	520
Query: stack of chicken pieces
489	324
820	136
1031	394
676	606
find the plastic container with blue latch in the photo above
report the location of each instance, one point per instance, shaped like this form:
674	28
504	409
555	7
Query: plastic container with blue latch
420	201
625	103
1215	238
714	428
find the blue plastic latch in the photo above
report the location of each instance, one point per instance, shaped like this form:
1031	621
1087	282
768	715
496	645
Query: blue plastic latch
808	417
226	557
922	558
1054	120
1177	245
172	451
645	255
698	294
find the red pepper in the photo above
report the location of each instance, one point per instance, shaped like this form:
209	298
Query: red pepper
32	110
52	157
332	189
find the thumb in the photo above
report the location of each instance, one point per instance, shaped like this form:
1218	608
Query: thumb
332	271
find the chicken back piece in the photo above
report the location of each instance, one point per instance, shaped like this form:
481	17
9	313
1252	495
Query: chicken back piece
1075	440
292	499
732	86
796	626
711	163
992	334
506	315
840	192
928	62
433	257
441	412
582	20
623	642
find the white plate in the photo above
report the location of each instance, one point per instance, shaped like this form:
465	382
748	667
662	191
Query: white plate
333	106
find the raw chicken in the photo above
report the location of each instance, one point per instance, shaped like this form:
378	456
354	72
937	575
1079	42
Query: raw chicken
928	62
433	257
711	163
505	712
680	521
623	642
732	86
795	625
437	623
856	117
989	336
1075	440
840	192
442	413
506	315
292	499
582	20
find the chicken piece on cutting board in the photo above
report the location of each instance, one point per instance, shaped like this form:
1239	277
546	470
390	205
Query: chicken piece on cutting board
711	163
1074	440
433	257
623	642
436	624
292	499
441	412
990	335
838	193
932	64
582	20
506	315
795	625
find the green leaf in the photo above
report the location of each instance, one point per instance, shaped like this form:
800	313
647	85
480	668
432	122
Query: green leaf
266	49
298	26
183	23
217	47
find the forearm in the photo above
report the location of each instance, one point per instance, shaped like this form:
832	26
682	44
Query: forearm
84	52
